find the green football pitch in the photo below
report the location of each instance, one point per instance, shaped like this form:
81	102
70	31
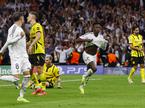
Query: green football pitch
102	91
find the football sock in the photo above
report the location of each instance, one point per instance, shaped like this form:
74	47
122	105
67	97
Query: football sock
43	81
86	76
131	72
142	73
24	85
88	73
35	79
59	82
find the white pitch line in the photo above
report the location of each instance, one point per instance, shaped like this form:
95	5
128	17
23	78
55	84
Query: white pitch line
77	80
74	80
8	85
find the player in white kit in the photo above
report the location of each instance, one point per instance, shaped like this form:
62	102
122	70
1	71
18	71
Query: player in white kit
93	41
16	44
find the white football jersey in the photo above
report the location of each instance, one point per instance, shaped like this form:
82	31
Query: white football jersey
98	41
90	36
18	48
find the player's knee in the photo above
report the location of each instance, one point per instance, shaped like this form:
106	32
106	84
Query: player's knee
94	69
39	69
16	76
42	77
26	73
135	67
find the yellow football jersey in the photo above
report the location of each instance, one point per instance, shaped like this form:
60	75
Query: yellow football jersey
136	41
51	72
38	48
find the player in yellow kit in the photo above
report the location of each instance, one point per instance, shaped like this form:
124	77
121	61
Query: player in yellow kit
36	47
51	76
50	73
137	54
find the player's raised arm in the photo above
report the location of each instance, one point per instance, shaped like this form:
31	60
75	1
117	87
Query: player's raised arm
83	38
58	49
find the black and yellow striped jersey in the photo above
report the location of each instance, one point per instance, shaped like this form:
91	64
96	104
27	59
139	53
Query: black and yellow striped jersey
136	41
50	72
38	48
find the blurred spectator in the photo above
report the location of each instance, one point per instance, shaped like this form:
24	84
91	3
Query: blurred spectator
63	52
112	59
98	59
74	57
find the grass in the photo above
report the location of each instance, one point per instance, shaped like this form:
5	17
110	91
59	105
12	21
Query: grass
107	91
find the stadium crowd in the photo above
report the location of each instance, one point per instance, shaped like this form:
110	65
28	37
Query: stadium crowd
66	20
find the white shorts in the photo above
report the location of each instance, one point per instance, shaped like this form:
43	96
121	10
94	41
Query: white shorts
89	58
20	65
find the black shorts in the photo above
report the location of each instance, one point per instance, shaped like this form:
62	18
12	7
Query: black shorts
37	59
51	84
137	60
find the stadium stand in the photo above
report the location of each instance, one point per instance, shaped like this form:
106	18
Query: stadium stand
65	20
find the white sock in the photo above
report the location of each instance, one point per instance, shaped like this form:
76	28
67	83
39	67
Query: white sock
59	82
24	85
88	73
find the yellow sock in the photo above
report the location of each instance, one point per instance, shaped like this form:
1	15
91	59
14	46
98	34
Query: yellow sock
43	81
35	79
131	72
142	73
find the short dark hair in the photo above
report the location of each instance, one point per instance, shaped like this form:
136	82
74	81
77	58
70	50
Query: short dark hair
17	15
97	23
134	27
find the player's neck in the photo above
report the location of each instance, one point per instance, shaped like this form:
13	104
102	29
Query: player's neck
33	22
96	33
136	34
49	65
18	23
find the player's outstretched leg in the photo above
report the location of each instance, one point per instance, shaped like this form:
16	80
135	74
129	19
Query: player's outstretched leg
85	79
11	78
90	61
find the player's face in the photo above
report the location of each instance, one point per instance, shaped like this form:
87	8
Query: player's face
47	61
97	28
22	19
136	31
29	18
